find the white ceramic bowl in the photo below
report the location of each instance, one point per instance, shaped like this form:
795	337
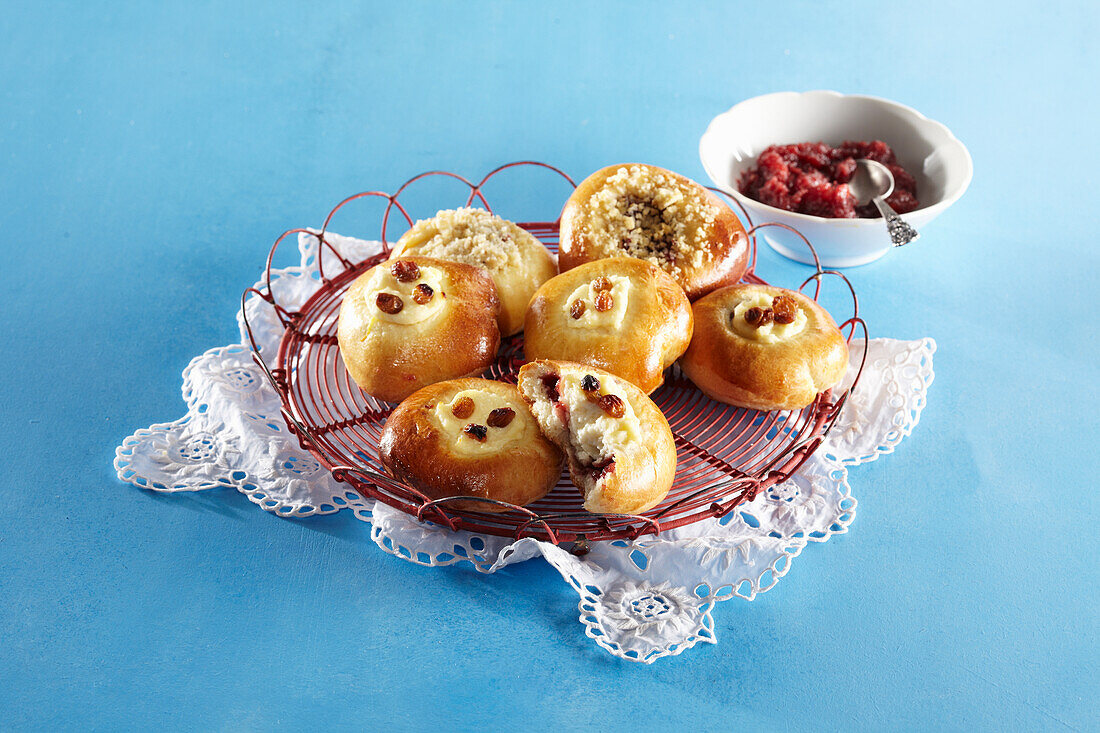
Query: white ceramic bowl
925	148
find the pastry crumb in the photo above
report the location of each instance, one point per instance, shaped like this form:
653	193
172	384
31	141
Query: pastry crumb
653	216
470	236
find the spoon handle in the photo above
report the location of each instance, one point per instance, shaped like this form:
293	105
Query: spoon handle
900	232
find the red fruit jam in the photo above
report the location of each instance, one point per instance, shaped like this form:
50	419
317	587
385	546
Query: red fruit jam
812	178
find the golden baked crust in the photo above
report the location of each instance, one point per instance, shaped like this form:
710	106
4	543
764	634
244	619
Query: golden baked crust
453	334
623	456
645	323
635	210
763	371
424	445
515	259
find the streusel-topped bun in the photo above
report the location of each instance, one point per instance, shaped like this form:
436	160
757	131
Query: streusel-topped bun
515	259
413	321
619	314
620	449
470	437
643	211
764	347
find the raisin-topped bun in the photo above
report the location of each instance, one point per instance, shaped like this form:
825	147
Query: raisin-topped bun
763	347
620	450
643	211
470	437
621	314
413	321
515	259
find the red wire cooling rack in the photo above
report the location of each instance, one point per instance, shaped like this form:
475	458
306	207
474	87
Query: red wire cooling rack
725	455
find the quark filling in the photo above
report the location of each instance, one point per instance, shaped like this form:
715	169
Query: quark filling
383	281
591	316
770	333
496	438
470	236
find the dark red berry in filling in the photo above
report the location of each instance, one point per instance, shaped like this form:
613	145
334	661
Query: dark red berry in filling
602	468
550	384
477	432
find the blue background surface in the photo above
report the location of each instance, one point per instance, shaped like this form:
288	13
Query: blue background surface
150	153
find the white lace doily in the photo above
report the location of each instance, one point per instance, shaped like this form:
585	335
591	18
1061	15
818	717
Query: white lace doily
639	600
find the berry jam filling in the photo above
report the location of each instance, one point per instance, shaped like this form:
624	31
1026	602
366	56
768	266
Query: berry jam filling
550	384
812	178
602	468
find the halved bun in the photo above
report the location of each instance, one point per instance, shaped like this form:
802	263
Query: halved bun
620	449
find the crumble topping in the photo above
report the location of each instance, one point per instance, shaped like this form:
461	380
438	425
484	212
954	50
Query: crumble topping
468	235
653	217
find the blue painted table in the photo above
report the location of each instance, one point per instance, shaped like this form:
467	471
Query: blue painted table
151	152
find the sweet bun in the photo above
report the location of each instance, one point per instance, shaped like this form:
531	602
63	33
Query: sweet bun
618	444
793	354
410	322
622	315
470	437
515	259
643	211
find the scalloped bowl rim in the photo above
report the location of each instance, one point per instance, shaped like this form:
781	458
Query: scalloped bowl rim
928	212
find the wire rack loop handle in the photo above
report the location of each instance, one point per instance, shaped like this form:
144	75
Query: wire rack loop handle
800	235
817	278
371	482
851	324
750	231
391	200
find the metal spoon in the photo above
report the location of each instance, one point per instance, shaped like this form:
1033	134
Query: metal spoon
873	181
